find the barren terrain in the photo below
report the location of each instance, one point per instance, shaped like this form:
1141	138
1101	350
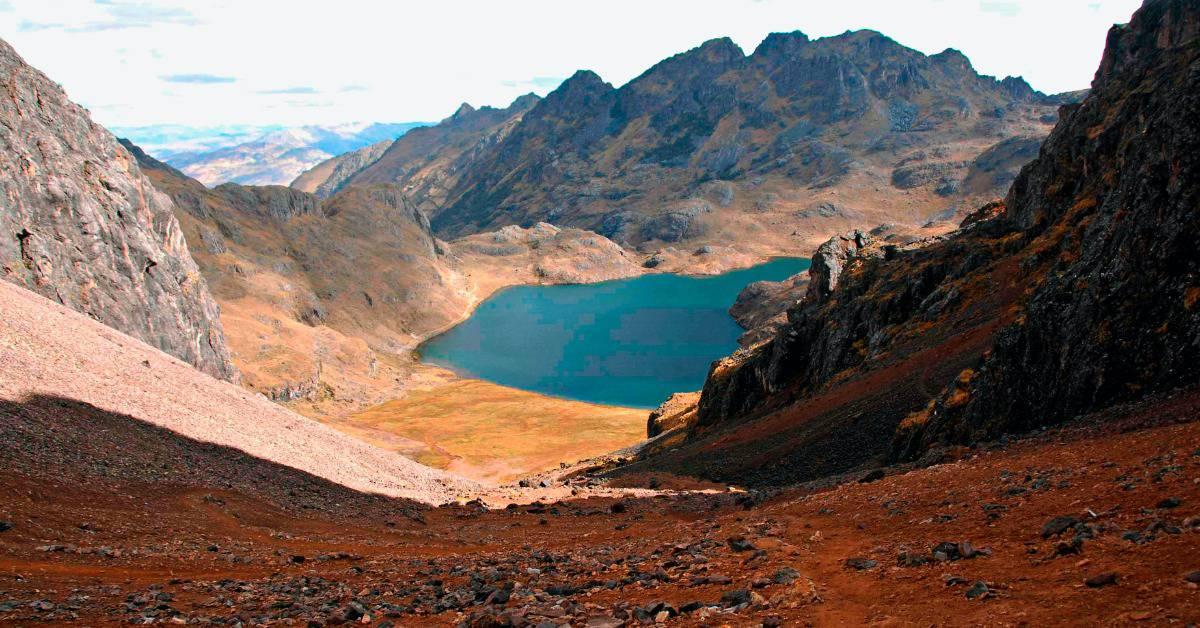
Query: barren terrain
1093	524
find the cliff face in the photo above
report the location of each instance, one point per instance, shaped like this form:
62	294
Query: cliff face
1113	208
83	226
1077	292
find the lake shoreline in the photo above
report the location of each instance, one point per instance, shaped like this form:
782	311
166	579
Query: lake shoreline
648	300
477	298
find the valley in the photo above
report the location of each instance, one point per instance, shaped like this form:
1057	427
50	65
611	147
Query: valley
275	260
832	332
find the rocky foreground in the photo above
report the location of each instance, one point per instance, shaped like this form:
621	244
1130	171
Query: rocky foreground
1092	524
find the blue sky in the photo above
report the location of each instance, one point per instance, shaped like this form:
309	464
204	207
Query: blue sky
216	62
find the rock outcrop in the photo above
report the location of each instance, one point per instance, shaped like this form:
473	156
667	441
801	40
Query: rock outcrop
845	285
1112	211
830	260
80	224
679	410
761	307
270	201
542	253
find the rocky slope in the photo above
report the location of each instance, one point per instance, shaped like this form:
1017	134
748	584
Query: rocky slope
427	163
319	297
327	177
1110	211
1071	295
769	151
54	357
1009	535
82	226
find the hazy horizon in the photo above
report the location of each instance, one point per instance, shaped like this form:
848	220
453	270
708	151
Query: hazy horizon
157	63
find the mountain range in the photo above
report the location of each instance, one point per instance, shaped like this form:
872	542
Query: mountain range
257	155
971	414
771	150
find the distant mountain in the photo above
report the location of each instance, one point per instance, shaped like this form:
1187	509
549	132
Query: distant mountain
427	162
274	157
167	141
773	150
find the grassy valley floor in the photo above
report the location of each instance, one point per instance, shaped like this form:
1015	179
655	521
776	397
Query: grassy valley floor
488	432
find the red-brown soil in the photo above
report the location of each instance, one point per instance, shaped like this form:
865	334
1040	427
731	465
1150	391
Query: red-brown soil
228	553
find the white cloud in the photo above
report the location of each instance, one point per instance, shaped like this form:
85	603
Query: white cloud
1008	9
417	61
198	79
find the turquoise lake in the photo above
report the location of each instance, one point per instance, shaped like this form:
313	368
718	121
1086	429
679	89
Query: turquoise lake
629	342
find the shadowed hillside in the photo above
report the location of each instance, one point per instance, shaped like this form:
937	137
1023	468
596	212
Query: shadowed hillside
1075	293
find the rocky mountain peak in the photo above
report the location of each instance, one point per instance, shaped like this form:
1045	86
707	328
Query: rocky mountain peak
524	102
954	58
720	50
576	98
463	110
865	42
1158	25
777	45
807	114
580	84
706	60
1019	90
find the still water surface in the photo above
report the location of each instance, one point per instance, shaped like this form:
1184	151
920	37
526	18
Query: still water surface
629	342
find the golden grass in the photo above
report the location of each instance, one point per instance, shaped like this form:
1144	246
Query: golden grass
493	433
